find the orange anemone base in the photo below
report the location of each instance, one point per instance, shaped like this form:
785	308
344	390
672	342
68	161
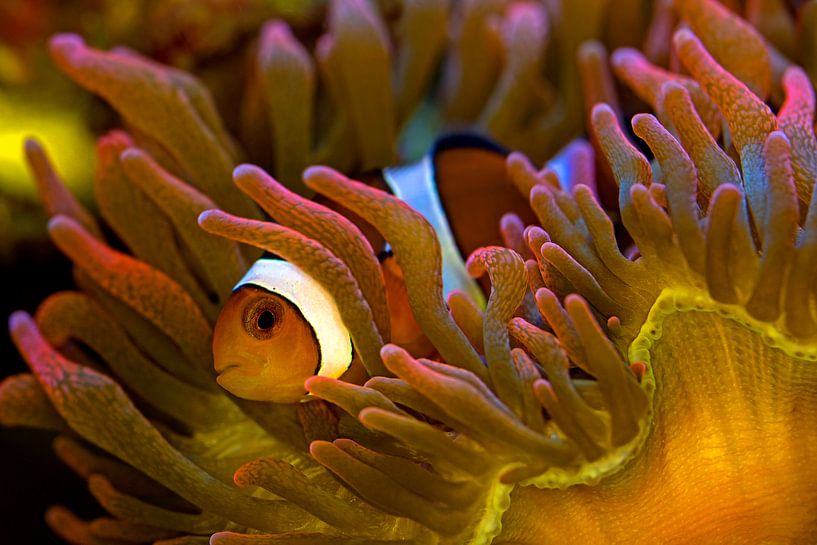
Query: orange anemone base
730	458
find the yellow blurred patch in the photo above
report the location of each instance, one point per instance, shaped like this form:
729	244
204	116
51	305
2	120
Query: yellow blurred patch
64	134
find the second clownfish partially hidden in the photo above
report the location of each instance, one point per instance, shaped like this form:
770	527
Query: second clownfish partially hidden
281	327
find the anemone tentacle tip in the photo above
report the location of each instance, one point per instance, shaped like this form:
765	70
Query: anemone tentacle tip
245	171
683	35
60	223
31	144
65	42
602	111
208	217
18	320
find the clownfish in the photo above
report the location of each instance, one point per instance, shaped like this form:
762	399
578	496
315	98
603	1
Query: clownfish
280	326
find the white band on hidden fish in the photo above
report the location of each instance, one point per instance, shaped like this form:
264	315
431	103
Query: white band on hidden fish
315	303
416	186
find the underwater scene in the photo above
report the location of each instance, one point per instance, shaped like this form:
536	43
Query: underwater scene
408	272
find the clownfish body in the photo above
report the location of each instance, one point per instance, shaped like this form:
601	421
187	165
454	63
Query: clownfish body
281	327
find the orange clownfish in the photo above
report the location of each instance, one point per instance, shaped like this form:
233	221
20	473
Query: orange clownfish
280	326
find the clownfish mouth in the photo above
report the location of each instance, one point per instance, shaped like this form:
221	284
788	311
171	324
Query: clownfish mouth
223	369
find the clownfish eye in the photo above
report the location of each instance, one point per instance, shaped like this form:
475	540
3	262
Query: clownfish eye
266	320
263	318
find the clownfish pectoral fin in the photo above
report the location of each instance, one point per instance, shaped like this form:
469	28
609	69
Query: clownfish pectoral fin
278	328
405	332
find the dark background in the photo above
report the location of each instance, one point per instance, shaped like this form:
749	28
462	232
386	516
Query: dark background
31	475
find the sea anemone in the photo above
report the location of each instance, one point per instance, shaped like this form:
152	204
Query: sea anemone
648	380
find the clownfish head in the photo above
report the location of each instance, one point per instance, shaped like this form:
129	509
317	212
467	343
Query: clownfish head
278	328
